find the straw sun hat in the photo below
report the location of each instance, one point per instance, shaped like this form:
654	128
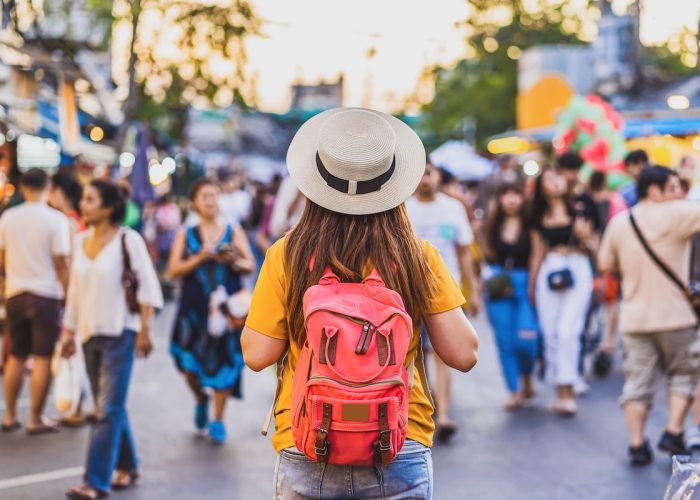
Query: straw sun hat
356	161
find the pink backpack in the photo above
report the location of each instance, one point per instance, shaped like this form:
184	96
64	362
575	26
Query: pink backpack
351	384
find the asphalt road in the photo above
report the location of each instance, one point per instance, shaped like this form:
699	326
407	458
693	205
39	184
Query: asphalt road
497	456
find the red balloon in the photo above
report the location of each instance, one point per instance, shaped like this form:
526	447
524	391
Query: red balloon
586	125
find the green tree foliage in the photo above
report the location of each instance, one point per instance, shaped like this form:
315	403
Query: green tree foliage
170	53
483	86
184	52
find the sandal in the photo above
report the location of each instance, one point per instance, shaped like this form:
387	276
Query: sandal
73	422
514	403
124	480
85	492
564	408
14	426
43	428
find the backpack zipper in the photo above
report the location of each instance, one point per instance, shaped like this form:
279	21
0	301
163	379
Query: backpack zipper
354	319
393	381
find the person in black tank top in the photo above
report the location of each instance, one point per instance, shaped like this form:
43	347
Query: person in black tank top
508	247
561	279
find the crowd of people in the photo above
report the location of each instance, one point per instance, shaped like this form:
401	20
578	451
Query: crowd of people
567	270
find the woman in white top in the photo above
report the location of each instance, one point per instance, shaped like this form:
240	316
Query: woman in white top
97	311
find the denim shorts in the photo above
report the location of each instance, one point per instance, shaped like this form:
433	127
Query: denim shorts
410	475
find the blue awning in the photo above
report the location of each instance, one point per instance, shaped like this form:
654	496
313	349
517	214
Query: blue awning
678	126
661	126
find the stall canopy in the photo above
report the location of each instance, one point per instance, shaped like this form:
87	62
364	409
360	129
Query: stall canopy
460	159
677	126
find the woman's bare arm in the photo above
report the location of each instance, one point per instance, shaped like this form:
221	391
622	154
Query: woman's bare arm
453	338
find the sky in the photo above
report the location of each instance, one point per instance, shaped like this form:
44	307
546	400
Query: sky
310	40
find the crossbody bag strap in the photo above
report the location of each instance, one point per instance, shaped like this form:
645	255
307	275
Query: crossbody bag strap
661	264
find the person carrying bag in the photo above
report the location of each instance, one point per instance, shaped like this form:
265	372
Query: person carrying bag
342	295
691	291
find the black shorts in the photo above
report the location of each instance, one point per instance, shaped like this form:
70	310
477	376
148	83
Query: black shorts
34	324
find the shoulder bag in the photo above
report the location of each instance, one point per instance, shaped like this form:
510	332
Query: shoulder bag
691	291
129	279
500	287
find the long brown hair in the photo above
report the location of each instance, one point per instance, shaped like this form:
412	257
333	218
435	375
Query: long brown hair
496	216
347	243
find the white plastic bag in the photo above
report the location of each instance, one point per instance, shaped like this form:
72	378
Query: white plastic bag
217	322
685	479
69	377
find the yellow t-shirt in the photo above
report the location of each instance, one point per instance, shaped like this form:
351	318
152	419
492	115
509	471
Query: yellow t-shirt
268	316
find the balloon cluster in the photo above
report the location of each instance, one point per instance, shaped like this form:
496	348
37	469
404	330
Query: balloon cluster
593	128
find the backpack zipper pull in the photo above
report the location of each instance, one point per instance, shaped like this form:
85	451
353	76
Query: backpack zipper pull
366	337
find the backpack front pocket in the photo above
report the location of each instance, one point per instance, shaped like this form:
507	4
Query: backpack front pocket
353	431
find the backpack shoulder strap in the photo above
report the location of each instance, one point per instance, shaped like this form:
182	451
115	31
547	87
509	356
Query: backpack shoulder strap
419	364
279	368
661	264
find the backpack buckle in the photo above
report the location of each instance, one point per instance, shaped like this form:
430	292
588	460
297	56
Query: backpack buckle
385	439
322	452
321	446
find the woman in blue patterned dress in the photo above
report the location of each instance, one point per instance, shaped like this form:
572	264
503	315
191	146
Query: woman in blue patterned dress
210	258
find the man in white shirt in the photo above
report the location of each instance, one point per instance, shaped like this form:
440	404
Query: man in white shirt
34	250
289	205
235	202
443	221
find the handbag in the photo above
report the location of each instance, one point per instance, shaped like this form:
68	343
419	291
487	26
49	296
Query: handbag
560	280
690	291
500	287
130	281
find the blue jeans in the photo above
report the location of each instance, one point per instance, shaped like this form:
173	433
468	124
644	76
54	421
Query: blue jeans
410	475
109	361
514	323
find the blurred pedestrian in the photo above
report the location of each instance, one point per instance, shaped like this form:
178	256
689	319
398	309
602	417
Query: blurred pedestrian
657	321
561	282
235	200
259	221
34	253
608	203
508	246
569	165
113	322
442	221
507	171
64	196
383	160
635	163
289	205
168	219
210	257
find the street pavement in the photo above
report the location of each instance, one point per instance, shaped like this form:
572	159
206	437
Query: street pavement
529	455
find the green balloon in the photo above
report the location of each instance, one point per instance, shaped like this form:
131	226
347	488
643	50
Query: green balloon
586	172
617	179
583	139
619	151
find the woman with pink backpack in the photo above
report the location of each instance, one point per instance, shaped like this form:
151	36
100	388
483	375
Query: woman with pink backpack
338	306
